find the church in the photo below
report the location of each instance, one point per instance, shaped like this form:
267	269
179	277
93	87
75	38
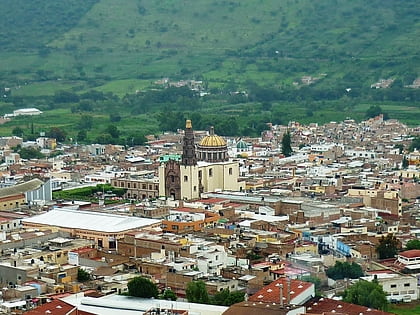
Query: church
204	167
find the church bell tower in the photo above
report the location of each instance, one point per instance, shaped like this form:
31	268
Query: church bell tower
188	148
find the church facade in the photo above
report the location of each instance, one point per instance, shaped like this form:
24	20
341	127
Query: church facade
204	167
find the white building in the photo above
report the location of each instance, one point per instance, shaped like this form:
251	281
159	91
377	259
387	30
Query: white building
398	288
27	112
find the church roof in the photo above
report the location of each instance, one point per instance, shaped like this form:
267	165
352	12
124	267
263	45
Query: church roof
241	145
212	140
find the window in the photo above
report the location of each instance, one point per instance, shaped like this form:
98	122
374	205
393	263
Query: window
230	171
393	286
172	180
195	188
210	172
185	178
406	284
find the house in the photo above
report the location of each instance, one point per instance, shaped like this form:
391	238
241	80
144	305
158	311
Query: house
398	288
285	291
246	307
14	196
329	306
57	307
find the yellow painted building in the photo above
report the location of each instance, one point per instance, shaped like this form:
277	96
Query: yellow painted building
204	167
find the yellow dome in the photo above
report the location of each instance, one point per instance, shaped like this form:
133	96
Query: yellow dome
212	141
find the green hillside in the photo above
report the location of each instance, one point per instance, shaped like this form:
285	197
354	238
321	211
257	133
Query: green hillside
121	47
219	40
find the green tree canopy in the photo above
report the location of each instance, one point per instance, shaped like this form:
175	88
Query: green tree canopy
345	270
168	294
30	153
286	147
405	162
197	292
113	131
415	144
86	122
136	139
57	133
387	247
227	298
82	275
413	244
17	131
142	287
315	280
81	135
374	111
366	293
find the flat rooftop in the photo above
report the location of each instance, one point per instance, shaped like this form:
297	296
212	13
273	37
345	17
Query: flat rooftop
89	220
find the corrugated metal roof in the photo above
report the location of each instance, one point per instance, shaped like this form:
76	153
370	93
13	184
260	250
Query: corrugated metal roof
33	184
89	220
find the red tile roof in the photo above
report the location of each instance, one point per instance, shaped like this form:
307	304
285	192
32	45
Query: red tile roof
271	293
212	200
56	307
325	305
413	253
83	250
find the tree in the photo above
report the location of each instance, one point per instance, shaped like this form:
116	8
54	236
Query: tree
197	293
85	106
30	153
365	293
387	247
142	287
82	275
415	144
114	117
315	280
227	298
286	147
17	131
86	122
57	133
81	135
345	270
404	162
413	244
113	131
137	139
168	294
104	138
375	110
65	97
400	147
